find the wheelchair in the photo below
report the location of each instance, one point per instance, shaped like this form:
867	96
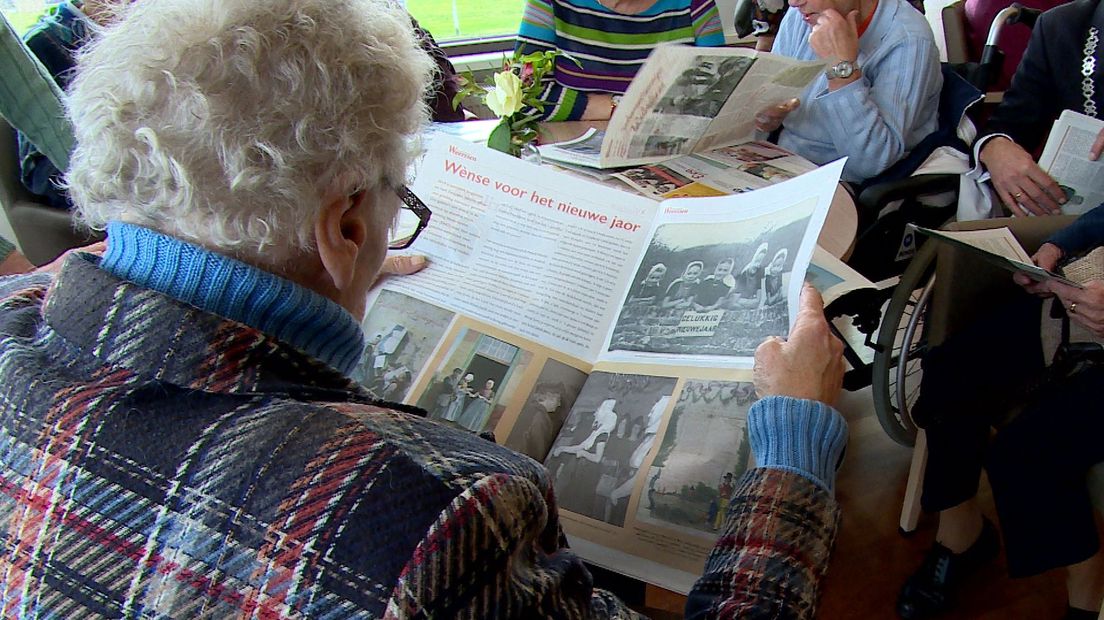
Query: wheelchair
893	320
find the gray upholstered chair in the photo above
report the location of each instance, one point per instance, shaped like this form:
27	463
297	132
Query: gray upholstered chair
43	232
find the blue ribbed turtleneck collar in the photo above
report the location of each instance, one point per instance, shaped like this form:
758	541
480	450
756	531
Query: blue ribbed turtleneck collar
234	290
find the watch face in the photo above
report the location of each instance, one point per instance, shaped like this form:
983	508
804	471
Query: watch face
842	69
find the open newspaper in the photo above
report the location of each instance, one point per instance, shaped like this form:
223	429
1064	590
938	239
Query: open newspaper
1066	159
686	100
718	172
999	247
604	334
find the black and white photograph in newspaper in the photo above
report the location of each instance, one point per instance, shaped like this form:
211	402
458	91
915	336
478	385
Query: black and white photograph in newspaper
545	409
703	453
606	438
704	87
401	334
474	380
712	288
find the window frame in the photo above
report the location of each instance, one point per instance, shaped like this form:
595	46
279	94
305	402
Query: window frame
482	45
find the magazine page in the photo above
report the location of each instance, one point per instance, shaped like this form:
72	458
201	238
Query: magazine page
645	464
689	99
529	249
726	170
1066	158
832	277
720	275
466	373
996	246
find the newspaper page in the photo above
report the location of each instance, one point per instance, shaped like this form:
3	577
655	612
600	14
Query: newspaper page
1066	158
645	464
502	333
647	459
721	274
689	99
719	172
530	249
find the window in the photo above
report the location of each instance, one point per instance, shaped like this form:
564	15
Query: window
469	26
22	13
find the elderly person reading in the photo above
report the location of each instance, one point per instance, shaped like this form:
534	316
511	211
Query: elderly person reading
181	437
880	94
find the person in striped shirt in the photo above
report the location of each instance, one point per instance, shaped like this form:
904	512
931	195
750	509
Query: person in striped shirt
605	43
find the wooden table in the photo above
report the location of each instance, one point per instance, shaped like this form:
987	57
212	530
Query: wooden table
840	228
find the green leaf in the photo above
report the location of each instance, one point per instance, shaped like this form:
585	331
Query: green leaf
499	139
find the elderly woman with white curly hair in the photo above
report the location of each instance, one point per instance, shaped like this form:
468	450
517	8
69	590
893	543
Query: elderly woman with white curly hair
180	434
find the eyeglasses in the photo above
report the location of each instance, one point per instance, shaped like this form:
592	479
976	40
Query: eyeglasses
406	231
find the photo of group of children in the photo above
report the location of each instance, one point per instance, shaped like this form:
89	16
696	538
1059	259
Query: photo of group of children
702	454
473	381
711	289
604	442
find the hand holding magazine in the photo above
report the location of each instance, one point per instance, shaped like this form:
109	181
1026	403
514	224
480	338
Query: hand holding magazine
687	100
600	332
1066	159
999	247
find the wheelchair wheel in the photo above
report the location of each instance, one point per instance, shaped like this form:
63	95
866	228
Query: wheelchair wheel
902	341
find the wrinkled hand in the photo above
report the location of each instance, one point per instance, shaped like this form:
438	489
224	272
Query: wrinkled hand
401	265
54	266
770	118
1021	184
1089	308
835	37
1047	257
809	364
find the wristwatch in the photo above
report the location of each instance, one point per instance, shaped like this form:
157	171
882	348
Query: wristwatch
842	70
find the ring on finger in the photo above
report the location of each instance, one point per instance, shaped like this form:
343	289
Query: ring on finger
1073	308
1017	195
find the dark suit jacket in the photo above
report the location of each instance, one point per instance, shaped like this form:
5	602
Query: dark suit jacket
1048	79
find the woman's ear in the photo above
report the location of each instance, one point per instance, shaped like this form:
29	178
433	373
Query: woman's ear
340	234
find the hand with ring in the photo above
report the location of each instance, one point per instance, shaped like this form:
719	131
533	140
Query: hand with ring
1084	305
1022	185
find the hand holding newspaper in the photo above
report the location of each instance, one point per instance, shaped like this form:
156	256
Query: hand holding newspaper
604	334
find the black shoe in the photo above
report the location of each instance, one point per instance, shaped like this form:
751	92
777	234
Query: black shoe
929	590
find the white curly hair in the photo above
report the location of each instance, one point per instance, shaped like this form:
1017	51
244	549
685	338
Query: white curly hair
225	122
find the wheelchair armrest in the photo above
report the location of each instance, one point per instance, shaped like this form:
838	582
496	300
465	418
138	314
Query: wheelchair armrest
874	198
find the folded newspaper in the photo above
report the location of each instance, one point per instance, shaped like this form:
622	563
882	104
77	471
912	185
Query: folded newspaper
602	333
1066	159
685	100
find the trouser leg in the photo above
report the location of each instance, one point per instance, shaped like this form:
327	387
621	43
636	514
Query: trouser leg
974	376
1037	471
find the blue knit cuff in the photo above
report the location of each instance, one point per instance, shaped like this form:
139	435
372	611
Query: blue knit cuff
803	436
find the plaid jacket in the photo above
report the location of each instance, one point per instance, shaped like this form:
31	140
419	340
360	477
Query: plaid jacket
160	461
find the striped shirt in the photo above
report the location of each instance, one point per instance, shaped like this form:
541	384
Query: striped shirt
609	47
